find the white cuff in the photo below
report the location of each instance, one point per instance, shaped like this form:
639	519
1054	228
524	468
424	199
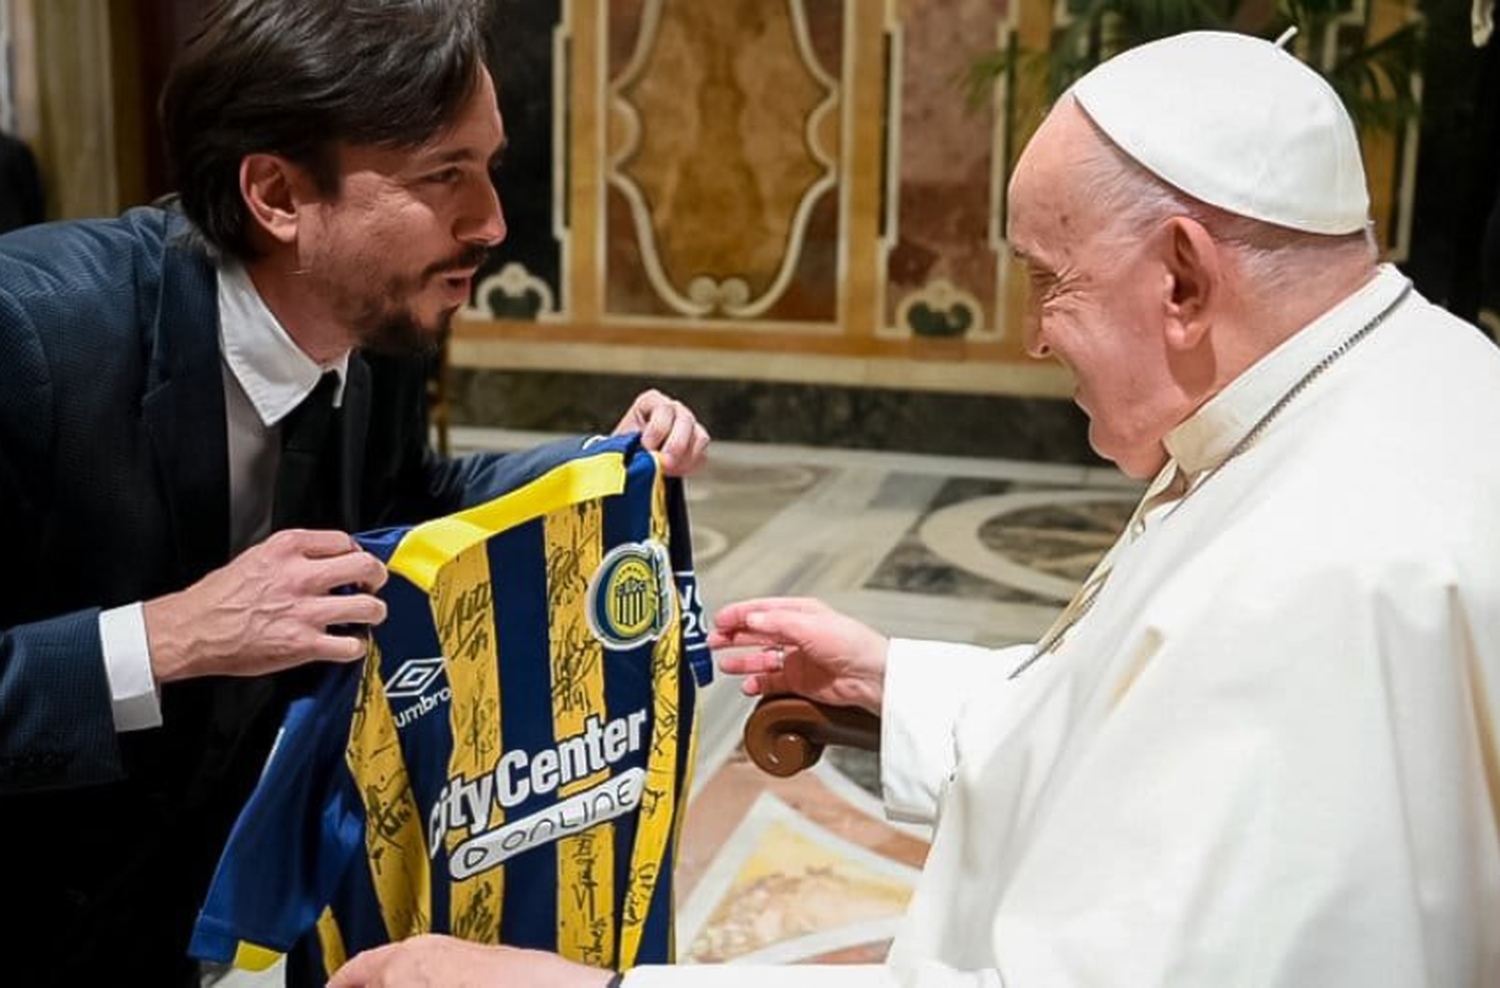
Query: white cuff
127	663
927	685
759	975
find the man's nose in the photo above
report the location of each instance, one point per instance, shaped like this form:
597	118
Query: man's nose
1032	337
486	220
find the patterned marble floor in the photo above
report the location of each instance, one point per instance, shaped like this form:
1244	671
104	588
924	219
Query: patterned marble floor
807	869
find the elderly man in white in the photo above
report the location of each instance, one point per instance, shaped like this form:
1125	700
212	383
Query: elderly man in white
1260	747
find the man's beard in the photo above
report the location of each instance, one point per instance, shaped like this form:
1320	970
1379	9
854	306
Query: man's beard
396	332
389	326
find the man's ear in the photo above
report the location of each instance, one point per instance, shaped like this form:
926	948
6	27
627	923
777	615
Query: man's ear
1194	281
276	191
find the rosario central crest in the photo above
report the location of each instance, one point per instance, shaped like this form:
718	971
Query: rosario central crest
630	594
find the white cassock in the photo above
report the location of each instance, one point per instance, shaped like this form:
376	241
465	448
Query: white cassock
1267	755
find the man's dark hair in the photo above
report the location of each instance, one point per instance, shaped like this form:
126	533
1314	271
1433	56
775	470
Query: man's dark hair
298	77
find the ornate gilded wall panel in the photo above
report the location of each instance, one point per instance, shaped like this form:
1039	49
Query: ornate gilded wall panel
721	160
944	253
528	57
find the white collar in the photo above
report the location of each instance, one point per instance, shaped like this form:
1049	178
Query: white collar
1203	441
273	371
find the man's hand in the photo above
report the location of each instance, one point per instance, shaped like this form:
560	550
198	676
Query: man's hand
445	962
668	428
802	646
268	609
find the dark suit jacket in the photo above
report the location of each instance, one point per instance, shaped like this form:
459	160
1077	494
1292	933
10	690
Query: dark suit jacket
114	488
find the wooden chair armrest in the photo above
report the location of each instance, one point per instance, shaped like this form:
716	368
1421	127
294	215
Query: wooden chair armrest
786	734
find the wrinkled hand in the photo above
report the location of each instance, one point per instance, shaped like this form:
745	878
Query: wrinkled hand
268	609
668	428
803	646
451	963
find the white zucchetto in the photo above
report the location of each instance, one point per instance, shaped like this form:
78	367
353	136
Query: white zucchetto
1236	122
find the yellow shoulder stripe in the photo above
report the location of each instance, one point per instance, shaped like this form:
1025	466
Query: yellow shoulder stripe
428	547
250	957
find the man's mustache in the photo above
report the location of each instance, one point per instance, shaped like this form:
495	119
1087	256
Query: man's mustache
466	260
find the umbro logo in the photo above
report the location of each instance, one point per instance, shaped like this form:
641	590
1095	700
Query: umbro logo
413	677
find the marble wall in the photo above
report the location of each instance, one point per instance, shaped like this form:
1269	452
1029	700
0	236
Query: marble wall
721	158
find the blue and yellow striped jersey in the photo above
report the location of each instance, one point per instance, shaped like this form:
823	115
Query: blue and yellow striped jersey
512	761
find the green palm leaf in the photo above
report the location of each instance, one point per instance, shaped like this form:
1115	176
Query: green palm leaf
1376	82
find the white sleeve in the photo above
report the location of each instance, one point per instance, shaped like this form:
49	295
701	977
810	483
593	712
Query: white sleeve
757	975
127	663
927	684
806	976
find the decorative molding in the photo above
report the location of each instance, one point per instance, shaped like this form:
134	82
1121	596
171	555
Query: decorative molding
890	155
988	320
563	51
940	309
1002	140
516	284
731	294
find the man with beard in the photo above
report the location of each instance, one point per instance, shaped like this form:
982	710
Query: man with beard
189	428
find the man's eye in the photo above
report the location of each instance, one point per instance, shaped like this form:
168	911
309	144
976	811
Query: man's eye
447	176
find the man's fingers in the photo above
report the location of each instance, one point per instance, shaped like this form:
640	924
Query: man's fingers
693	451
346	608
764	684
339	648
339	559
790	627
354	569
639	412
314	542
678	443
740	638
669	429
766	660
659	422
358	970
732	616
